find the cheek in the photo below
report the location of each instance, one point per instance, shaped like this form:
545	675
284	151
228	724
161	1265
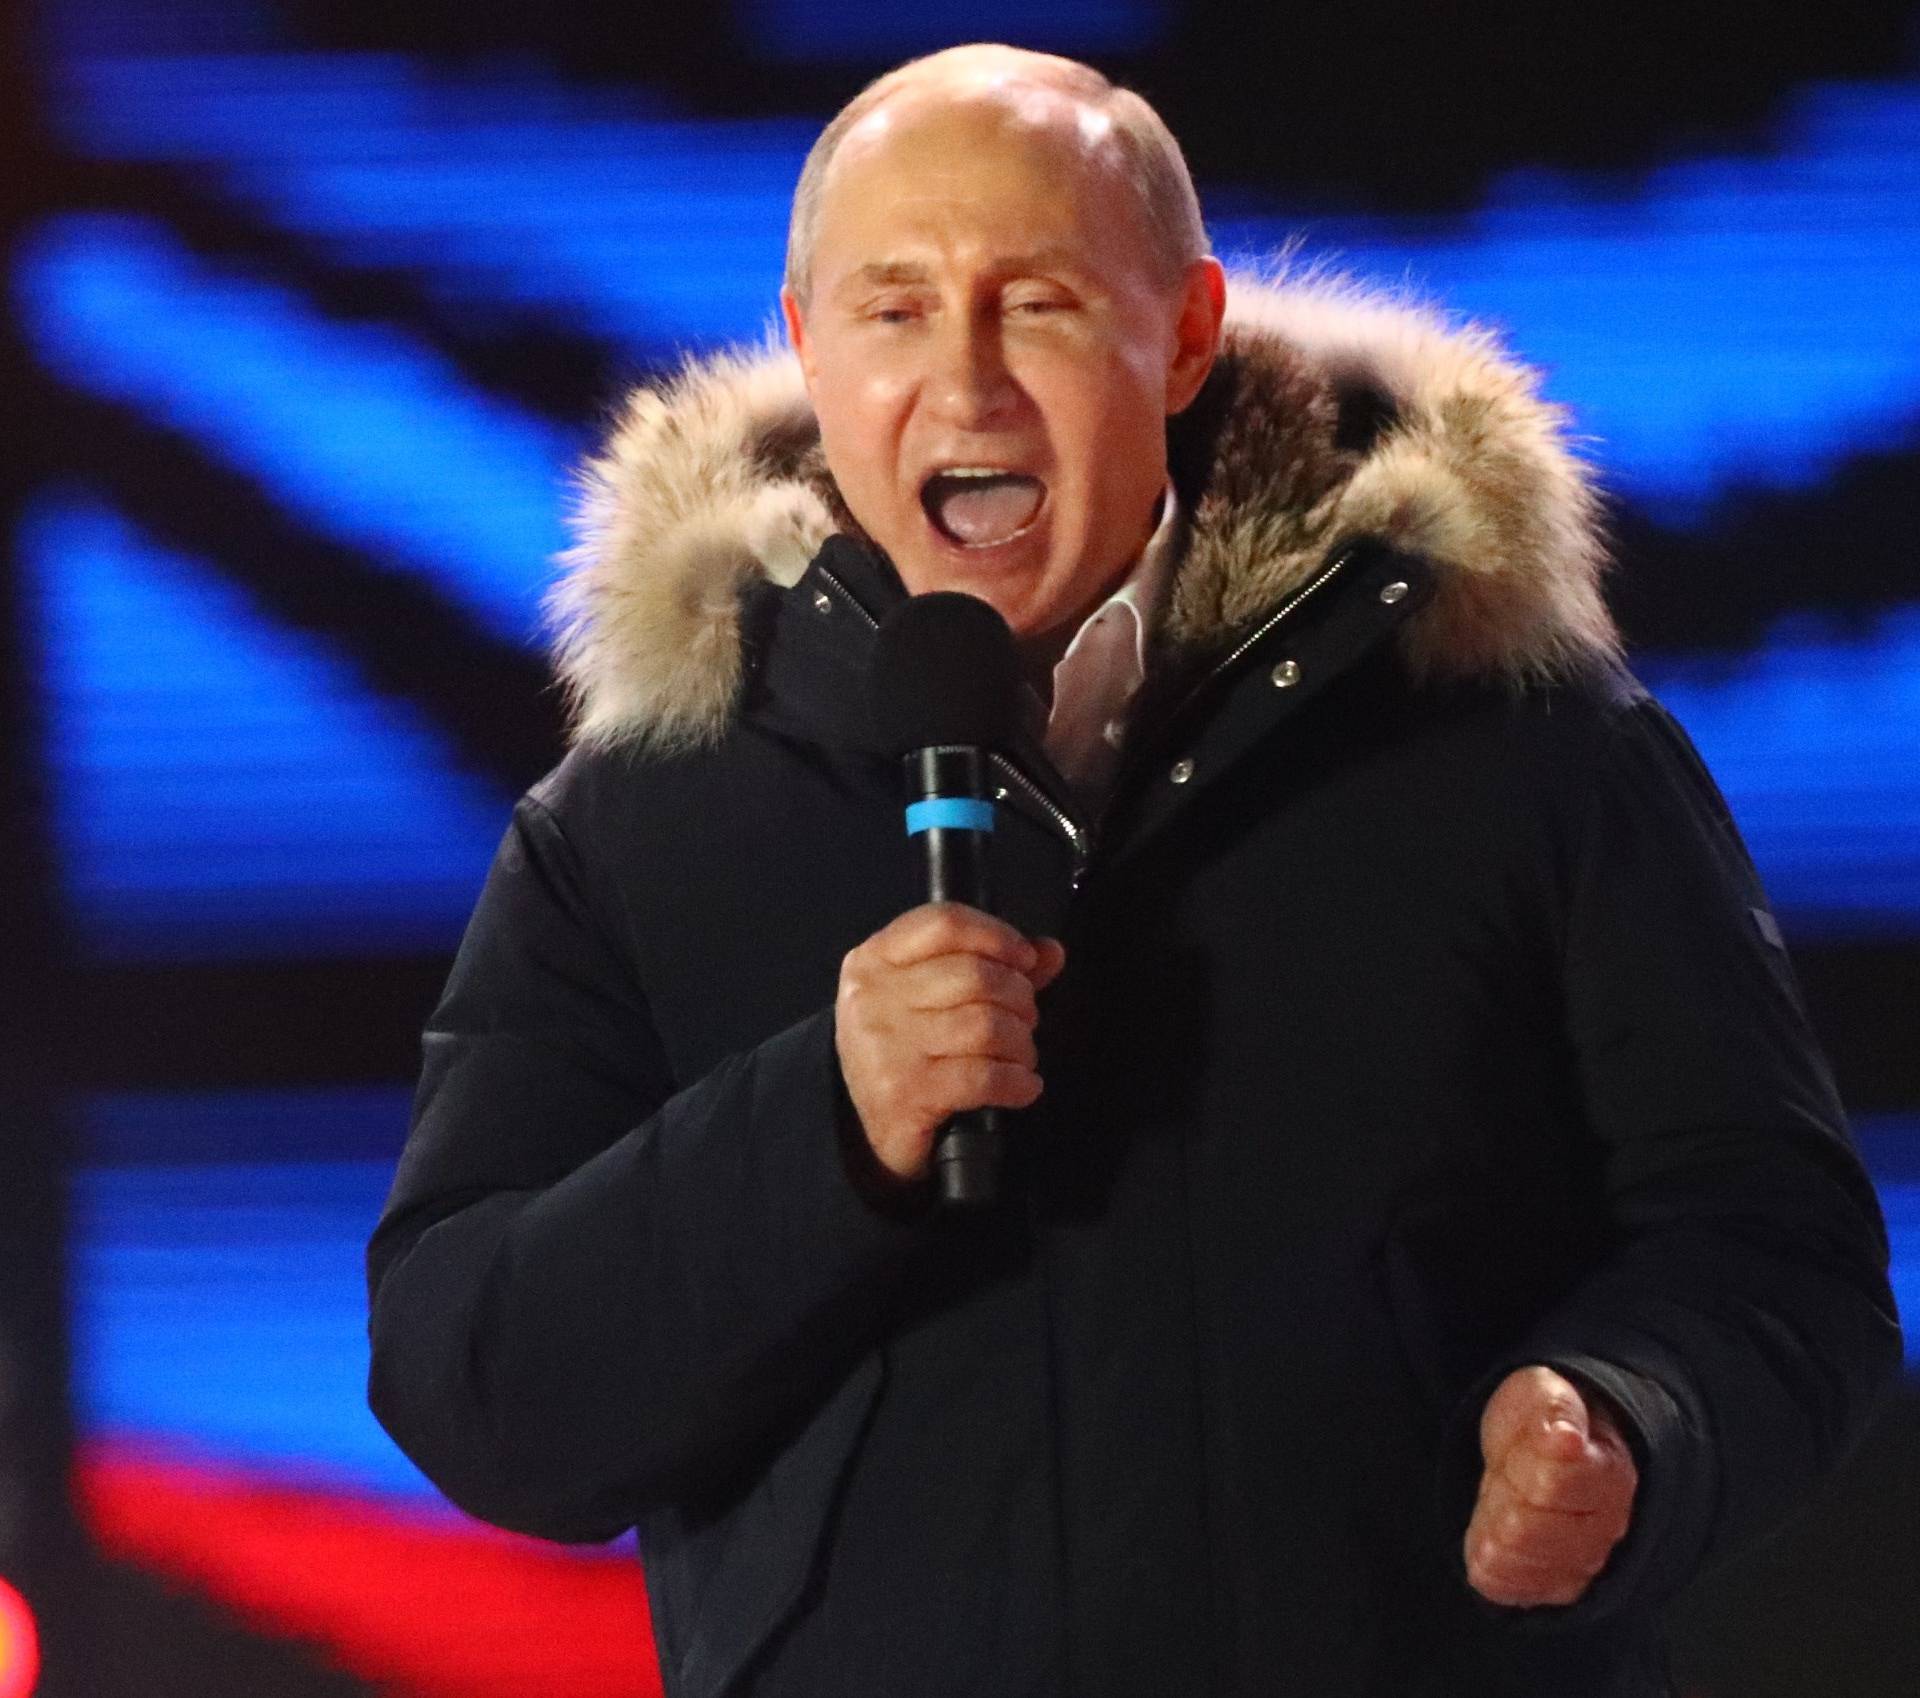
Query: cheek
1115	430
849	439
1112	384
860	420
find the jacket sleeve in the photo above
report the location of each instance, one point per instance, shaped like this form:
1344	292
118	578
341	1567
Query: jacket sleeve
1742	1323
592	1290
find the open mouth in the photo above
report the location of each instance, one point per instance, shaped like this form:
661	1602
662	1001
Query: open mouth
981	507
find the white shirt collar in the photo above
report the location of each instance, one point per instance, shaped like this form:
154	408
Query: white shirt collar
1140	594
1104	666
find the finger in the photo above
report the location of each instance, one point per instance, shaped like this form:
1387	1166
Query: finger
978	1030
949	928
1543	1538
1595	1480
1535	1568
959	1083
1538	1405
1551	1565
953	981
1518	1587
1053	957
1536	1559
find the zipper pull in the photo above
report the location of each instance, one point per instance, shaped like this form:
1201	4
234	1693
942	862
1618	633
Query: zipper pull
1078	838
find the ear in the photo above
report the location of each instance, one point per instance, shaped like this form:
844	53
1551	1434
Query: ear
790	310
1196	332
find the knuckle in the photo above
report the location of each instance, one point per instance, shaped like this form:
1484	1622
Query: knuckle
964	1080
983	1030
954	925
1000	983
1008	1085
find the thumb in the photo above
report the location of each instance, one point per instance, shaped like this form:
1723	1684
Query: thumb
1537	1408
1052	958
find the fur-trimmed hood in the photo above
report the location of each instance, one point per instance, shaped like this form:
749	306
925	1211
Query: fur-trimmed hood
1333	414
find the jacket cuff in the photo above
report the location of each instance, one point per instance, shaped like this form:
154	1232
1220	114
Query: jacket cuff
855	1195
1672	1503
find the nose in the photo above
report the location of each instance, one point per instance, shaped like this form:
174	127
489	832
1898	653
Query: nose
970	385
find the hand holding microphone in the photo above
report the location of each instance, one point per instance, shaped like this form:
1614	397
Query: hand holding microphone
934	1018
935	1012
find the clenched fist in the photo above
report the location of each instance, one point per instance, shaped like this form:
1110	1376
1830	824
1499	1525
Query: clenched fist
1556	1495
934	1016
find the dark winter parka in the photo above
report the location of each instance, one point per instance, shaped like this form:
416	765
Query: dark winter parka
1423	1018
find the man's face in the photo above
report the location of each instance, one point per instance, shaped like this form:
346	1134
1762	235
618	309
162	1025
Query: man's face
991	352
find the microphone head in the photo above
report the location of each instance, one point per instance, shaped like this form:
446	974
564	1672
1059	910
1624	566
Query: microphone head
944	672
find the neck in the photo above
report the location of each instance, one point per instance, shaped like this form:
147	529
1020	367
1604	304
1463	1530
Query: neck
1040	655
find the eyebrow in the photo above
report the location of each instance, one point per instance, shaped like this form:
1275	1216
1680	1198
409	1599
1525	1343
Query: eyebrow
882	274
901	273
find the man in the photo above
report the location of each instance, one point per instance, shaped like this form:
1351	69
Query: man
1431	1234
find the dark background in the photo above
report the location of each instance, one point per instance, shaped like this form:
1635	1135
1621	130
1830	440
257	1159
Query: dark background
312	306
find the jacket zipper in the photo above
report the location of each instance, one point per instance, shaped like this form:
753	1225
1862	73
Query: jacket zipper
1311	587
1078	837
847	595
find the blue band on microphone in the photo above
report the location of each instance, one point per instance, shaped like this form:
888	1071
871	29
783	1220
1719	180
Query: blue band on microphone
949	813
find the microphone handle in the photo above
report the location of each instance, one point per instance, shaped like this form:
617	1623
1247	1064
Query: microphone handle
967	1150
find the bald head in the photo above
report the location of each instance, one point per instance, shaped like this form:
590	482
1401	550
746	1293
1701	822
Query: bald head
1040	89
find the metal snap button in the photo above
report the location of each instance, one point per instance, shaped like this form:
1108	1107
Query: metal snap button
1390	593
822	602
1285	675
1181	771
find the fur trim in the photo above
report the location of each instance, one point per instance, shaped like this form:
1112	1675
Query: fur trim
697	491
1333	414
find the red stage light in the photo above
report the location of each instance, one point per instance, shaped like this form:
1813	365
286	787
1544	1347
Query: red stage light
416	1601
19	1645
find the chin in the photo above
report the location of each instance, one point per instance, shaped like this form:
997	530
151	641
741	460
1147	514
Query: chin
1008	595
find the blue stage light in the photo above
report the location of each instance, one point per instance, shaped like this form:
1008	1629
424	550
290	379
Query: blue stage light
224	786
1718	325
222	1305
1815	738
654	232
359	431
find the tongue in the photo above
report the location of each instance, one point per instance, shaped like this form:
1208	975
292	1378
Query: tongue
979	511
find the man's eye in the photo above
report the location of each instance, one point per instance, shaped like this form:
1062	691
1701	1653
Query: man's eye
1037	304
892	315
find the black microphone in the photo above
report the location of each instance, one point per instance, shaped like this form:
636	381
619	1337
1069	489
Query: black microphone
945	686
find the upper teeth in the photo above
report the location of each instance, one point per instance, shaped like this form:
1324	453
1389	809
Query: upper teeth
973	472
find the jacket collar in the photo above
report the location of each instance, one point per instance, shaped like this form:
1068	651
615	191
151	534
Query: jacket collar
1334	416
